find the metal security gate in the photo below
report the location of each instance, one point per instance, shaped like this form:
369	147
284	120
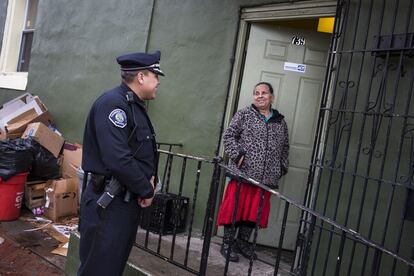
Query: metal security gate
361	175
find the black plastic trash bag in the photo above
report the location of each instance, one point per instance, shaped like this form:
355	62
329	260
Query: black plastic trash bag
16	157
45	165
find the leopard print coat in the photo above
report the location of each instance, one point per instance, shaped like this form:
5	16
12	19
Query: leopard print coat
264	145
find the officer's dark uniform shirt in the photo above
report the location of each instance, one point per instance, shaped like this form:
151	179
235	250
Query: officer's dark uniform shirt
111	149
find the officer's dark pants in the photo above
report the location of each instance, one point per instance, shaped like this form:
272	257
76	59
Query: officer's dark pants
107	235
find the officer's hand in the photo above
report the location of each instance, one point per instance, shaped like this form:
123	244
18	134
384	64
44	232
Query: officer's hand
145	202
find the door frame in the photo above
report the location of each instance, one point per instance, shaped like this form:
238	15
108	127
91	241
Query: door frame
263	13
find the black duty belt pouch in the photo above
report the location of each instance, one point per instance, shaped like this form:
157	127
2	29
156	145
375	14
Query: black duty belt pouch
98	183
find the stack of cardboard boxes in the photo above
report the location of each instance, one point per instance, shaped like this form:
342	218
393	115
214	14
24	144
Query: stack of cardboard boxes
62	195
27	117
16	114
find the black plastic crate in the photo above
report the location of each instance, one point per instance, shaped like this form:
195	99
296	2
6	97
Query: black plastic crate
166	210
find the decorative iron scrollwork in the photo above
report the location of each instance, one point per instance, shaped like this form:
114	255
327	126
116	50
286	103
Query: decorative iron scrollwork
407	180
409	131
375	153
332	164
392	66
409	134
347	84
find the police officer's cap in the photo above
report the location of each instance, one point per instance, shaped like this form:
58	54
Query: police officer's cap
141	61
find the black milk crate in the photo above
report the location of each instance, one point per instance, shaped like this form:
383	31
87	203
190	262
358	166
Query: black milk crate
166	210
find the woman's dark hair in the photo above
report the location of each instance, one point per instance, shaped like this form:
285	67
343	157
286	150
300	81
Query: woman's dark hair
265	83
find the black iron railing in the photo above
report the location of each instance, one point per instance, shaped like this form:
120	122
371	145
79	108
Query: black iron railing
179	189
166	168
196	261
313	216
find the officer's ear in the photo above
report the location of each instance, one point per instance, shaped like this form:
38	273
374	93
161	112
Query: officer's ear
140	77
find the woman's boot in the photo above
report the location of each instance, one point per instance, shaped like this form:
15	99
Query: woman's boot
228	245
243	245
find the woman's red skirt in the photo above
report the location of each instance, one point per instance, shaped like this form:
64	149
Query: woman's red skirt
248	204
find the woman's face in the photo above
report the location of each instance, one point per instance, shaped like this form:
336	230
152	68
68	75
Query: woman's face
262	97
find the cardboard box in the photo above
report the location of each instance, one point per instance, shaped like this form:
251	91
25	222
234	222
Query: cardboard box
34	194
62	198
18	113
72	159
15	104
50	140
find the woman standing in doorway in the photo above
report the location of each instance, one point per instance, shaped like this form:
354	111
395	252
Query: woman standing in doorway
257	144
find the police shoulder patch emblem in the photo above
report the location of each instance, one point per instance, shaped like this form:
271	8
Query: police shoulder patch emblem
118	117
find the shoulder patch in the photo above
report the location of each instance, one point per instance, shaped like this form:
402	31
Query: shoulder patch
118	117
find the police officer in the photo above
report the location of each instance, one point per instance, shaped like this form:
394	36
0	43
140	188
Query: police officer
118	144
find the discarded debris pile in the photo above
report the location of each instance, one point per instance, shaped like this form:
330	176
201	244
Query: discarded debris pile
58	231
37	166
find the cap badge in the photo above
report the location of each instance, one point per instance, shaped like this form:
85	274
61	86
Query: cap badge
118	117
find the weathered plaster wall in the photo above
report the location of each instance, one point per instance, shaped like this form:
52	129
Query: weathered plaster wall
73	56
197	39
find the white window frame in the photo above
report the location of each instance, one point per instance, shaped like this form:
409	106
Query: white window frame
12	36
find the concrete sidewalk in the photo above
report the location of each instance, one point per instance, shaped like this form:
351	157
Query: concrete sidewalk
216	263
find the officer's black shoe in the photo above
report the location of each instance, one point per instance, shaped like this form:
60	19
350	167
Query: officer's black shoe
233	257
246	249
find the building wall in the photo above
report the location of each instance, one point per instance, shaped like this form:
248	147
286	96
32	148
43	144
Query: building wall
73	61
198	64
73	56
